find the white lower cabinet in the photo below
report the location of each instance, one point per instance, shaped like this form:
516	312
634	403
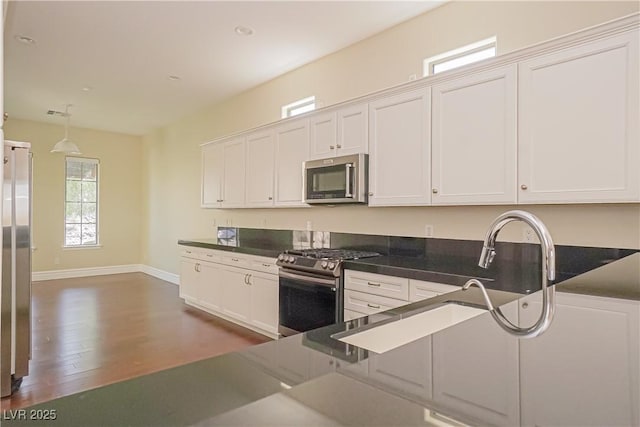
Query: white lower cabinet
475	369
239	288
264	297
583	371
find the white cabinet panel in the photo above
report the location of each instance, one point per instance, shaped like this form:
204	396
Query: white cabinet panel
212	175
350	315
210	293
236	293
485	386
369	303
292	146
260	169
323	135
399	150
189	279
339	133
584	369
407	369
378	284
264	301
578	118
234	173
474	139
419	290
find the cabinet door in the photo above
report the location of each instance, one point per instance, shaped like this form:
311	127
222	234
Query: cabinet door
474	139
260	168
234	173
399	150
189	279
210	283
323	135
236	293
264	301
353	130
583	371
212	175
292	146
406	369
578	119
420	290
475	369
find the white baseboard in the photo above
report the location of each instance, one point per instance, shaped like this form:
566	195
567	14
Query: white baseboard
160	274
83	272
37	276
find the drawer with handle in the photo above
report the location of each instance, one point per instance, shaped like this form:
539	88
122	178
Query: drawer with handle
378	284
420	290
367	303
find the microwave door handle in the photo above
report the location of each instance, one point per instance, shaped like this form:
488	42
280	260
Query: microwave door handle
348	192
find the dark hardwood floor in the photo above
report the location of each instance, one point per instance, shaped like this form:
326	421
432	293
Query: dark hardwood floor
93	331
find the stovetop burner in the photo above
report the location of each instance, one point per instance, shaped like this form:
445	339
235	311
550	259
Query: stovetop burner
322	261
333	254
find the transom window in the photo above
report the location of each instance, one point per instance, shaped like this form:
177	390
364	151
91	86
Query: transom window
462	56
81	202
298	107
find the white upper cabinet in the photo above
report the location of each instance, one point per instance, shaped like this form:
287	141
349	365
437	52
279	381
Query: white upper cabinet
578	124
474	139
234	173
260	169
399	150
339	133
292	145
212	175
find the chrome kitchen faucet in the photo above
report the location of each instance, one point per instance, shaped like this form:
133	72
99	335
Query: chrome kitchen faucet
548	272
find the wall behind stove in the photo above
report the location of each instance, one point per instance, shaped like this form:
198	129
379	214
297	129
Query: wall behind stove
171	172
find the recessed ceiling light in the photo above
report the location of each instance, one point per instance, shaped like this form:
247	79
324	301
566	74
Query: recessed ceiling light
174	78
243	31
25	40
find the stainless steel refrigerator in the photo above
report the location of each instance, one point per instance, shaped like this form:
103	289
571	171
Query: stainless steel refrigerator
15	291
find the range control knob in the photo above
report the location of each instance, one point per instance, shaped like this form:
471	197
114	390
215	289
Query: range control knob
332	265
324	264
281	257
291	258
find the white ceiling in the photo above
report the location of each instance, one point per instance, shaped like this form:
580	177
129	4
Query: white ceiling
126	50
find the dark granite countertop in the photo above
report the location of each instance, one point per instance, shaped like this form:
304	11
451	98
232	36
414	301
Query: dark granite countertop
313	379
270	251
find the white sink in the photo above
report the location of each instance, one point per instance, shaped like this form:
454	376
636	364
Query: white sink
395	334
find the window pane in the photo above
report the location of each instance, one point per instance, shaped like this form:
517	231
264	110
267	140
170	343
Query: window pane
89	171
72	234
464	60
89	213
74	170
73	191
302	109
89	234
89	191
73	212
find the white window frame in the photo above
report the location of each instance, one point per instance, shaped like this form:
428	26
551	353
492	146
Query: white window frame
64	234
429	64
299	107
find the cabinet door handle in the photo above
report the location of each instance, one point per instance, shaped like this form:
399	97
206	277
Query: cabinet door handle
373	306
235	259
373	284
525	304
270	198
338	146
370	194
434	191
524	187
332	147
197	267
249	279
266	265
210	255
245	278
188	252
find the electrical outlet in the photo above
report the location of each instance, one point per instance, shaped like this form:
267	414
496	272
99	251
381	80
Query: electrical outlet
309	226
428	230
229	222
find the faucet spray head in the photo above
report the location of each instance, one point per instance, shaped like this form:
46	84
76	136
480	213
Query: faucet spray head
486	256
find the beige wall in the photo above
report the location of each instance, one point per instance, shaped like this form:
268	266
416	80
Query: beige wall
172	155
120	186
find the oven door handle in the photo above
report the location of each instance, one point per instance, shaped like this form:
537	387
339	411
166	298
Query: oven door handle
305	278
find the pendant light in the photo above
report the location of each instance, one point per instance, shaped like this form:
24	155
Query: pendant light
64	145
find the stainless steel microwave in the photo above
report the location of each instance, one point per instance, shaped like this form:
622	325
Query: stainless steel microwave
336	180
